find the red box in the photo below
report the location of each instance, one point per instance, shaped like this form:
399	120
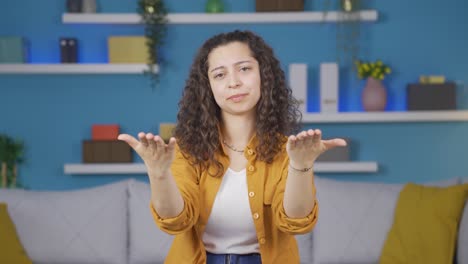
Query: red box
105	132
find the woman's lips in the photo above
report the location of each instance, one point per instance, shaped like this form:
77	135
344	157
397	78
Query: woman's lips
237	97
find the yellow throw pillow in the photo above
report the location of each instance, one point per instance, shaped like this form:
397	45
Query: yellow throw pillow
425	225
10	246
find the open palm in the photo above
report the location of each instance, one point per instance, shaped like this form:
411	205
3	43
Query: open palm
156	154
305	147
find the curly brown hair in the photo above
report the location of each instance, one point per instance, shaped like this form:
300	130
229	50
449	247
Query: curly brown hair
199	115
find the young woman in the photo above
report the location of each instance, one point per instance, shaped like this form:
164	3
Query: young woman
231	185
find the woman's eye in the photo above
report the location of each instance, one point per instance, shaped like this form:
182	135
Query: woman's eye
245	68
218	75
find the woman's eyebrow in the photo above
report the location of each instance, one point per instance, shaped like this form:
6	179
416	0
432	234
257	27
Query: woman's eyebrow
237	63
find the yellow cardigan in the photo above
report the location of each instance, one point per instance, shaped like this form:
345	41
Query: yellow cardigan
266	184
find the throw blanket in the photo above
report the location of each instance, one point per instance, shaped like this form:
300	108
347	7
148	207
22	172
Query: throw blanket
425	225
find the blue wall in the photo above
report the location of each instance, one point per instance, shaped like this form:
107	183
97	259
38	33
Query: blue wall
54	113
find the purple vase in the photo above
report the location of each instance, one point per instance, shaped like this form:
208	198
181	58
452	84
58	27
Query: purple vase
374	95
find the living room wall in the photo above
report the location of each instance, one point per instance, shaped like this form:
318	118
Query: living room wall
54	113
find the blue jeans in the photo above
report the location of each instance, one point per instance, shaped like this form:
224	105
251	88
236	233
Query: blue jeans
253	258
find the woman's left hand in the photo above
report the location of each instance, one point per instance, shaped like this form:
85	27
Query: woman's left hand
304	148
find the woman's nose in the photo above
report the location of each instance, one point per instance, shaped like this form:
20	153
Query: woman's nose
234	81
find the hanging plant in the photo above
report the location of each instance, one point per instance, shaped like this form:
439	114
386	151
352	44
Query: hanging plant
348	33
348	28
154	16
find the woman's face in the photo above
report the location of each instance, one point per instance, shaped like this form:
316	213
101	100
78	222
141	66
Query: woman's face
234	78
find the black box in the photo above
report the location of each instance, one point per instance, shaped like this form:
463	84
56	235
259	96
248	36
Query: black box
74	6
279	5
431	96
68	50
106	151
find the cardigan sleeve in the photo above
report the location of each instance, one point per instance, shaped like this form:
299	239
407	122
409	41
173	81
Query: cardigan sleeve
186	178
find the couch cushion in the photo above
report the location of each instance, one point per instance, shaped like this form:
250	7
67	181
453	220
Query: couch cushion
147	243
76	226
354	219
304	242
462	244
11	248
425	225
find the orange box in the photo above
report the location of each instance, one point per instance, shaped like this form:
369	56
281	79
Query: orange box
105	132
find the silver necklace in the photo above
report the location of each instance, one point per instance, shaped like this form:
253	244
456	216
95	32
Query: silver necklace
232	148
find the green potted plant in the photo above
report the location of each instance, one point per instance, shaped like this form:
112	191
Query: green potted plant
376	69
11	154
154	16
374	94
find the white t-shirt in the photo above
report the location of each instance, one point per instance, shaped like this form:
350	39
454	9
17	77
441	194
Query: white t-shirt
230	228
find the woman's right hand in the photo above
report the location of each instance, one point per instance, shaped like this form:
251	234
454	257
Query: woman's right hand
156	154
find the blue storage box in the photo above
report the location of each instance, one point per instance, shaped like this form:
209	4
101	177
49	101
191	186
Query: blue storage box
13	50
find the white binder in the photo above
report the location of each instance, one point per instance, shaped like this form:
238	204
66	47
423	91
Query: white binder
329	85
298	83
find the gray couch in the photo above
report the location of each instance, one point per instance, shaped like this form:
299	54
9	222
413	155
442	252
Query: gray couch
112	224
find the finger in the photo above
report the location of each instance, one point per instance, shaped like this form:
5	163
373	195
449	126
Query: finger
292	141
171	144
130	140
150	137
160	145
143	140
317	135
301	135
336	142
309	137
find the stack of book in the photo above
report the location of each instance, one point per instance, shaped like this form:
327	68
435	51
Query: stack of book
104	147
279	5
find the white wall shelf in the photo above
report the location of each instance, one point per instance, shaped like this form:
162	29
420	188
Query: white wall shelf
73	68
376	117
139	168
225	18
